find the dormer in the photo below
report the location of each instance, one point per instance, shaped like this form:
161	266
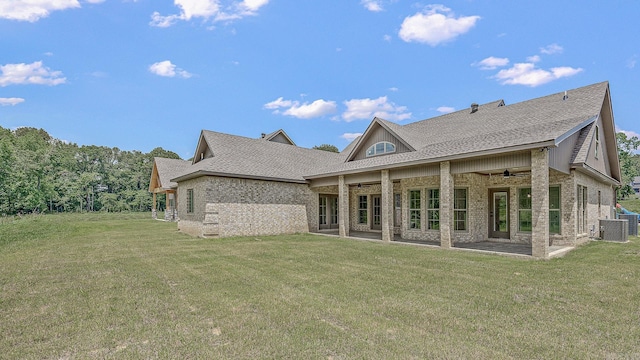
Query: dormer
380	139
278	136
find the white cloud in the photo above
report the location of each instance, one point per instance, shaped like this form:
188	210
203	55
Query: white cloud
631	63
394	89
386	38
212	10
10	101
533	59
527	74
435	25
34	10
445	109
552	49
306	110
278	103
34	73
167	69
491	63
350	136
372	5
368	108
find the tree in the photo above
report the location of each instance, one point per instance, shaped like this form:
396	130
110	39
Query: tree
327	147
629	164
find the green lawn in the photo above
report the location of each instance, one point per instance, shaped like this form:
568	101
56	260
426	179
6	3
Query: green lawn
124	286
631	204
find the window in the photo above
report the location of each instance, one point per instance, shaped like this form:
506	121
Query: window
554	210
189	201
460	209
362	209
524	210
322	211
433	209
383	147
597	141
525	223
414	209
581	194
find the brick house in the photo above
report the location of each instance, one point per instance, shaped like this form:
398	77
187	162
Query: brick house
538	172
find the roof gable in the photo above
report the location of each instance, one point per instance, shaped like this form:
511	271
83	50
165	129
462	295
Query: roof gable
601	134
379	130
279	136
163	171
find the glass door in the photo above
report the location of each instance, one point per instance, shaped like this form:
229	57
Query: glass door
376	220
499	213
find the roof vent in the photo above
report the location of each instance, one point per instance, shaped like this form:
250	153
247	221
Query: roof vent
474	107
565	97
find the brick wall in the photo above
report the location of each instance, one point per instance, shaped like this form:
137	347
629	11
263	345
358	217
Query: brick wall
282	204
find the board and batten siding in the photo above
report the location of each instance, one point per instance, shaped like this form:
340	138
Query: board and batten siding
492	163
377	135
280	138
560	157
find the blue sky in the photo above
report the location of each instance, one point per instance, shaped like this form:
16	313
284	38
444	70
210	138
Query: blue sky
138	74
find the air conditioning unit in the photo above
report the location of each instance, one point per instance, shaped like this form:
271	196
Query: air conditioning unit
614	230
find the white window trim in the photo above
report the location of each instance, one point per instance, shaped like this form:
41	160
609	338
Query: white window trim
384	151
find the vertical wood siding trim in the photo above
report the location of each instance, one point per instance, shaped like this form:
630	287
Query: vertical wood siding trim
377	135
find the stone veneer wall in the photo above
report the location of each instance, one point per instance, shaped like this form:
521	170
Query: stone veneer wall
237	207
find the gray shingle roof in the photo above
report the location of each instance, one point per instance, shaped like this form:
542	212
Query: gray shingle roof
169	169
494	127
491	128
255	158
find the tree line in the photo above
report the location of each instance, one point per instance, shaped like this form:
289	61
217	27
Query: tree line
39	173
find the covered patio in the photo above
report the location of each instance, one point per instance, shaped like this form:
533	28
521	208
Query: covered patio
488	246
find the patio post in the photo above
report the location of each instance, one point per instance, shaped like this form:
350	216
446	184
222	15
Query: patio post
343	207
446	205
387	206
540	203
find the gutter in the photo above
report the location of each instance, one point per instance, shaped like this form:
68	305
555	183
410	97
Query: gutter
584	168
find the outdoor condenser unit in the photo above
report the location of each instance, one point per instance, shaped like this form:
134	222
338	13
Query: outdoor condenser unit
614	230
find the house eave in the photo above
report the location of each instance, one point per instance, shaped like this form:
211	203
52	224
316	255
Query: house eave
548	143
586	169
201	173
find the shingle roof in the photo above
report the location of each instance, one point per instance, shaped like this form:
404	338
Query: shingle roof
491	128
495	127
255	158
169	169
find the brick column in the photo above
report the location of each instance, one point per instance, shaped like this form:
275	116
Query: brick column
387	206
446	205
540	203
343	207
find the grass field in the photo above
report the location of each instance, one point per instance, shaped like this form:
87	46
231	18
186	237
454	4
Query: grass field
124	286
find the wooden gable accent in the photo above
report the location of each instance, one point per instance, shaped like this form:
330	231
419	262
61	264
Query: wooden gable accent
375	133
154	184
